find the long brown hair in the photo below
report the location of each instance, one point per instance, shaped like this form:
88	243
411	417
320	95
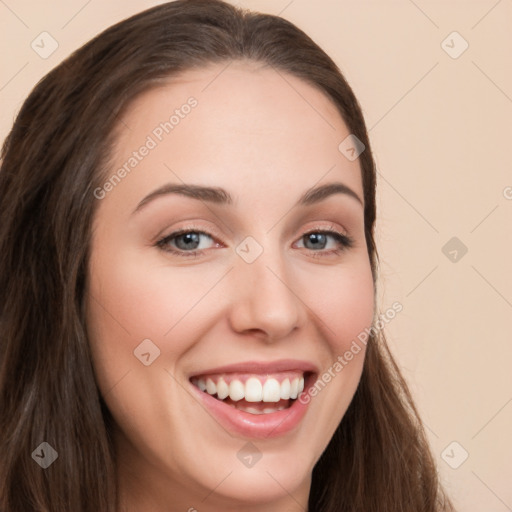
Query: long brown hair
53	159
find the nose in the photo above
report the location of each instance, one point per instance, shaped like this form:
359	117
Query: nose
264	299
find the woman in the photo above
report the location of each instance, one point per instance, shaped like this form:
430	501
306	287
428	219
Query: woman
248	373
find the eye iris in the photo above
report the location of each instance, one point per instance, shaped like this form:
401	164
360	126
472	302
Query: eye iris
189	238
318	239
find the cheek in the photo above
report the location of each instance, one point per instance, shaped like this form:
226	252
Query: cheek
346	310
133	299
345	304
124	308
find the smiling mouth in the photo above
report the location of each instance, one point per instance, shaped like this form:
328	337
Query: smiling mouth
254	393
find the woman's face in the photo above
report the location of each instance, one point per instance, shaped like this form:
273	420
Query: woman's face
254	297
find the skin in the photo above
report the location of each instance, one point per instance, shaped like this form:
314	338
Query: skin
265	137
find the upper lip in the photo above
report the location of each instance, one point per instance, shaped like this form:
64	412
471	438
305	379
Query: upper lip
261	367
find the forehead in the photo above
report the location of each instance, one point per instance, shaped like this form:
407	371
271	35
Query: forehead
249	124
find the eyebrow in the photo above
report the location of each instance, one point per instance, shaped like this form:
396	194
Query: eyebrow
221	196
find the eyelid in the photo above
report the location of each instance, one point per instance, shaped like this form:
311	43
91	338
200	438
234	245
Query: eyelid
345	243
210	231
213	232
331	227
162	240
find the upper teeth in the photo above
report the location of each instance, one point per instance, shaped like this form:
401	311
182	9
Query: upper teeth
253	390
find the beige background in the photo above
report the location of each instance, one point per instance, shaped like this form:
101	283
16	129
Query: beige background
441	132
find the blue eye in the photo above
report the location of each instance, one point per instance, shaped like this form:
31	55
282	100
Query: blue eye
186	242
319	240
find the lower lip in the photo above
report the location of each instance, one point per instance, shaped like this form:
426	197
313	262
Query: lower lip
256	426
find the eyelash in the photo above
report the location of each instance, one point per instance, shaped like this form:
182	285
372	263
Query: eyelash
345	242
